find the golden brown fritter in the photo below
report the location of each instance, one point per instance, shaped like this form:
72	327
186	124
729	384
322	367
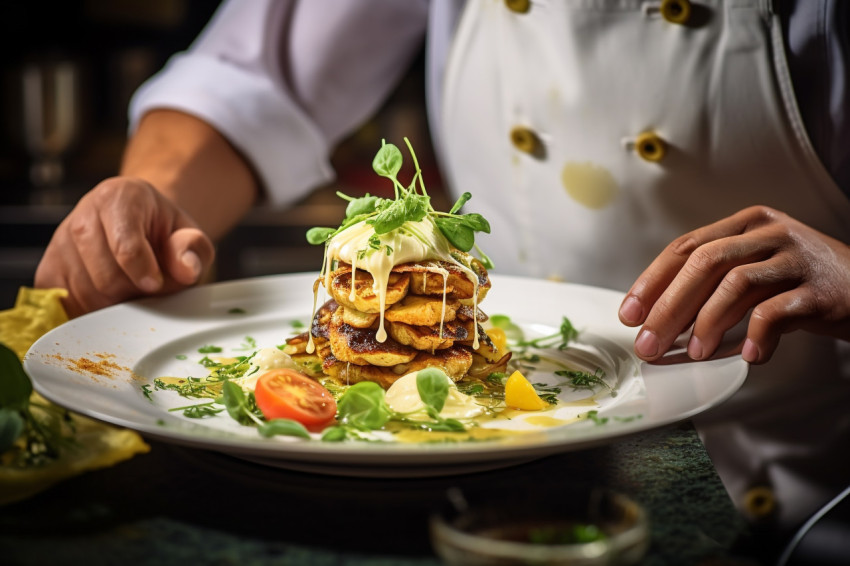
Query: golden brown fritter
455	362
425	281
365	299
422	311
427	338
429	318
359	345
359	319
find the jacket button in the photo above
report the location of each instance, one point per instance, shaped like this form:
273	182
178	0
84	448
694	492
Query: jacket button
650	147
676	11
759	502
518	6
525	140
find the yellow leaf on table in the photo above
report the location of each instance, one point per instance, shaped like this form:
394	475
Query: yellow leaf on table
36	311
98	445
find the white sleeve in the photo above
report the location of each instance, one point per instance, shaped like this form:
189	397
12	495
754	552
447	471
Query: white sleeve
285	80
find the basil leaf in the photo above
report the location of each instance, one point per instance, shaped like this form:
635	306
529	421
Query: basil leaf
446	425
15	384
234	401
364	406
319	235
362	205
11	427
476	222
456	232
415	207
433	387
387	162
334	434
283	427
389	218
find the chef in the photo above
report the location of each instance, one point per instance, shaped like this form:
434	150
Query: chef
692	153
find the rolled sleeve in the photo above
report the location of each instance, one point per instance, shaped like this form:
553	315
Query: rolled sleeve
287	152
284	80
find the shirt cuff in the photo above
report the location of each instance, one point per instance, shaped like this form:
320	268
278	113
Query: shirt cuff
287	151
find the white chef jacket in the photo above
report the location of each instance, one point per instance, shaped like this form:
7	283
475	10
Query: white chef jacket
305	75
285	80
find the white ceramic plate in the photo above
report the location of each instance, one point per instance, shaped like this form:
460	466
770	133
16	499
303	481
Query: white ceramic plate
98	364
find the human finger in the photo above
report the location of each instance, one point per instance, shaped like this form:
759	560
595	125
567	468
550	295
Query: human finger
61	267
94	244
130	221
694	284
656	278
188	254
772	318
740	290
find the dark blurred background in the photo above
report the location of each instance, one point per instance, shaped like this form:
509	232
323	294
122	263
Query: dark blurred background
69	70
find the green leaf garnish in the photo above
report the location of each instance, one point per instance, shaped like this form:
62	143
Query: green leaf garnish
283	427
410	204
15	384
433	387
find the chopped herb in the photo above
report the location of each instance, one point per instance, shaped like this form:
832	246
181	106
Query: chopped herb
181	356
236	310
200	410
594	416
248	344
471	389
146	391
584	380
561	339
209	350
498	377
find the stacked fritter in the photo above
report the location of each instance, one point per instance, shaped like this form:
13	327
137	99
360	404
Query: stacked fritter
420	333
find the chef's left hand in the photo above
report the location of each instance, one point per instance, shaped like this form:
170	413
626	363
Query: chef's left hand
791	276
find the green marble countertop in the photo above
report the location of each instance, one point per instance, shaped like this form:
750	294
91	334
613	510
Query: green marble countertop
177	505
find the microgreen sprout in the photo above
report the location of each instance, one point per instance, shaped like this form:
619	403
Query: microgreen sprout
410	204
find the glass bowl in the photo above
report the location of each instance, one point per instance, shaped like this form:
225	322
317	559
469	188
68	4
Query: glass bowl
592	527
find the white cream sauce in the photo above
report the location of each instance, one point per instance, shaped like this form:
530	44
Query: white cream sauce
264	360
412	242
403	397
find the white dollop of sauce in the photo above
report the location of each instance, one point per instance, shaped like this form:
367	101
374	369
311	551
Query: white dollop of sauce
264	360
403	397
418	241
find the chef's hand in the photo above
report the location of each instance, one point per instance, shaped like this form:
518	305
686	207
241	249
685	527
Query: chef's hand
123	240
790	275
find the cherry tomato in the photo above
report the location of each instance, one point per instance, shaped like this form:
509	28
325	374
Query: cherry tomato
287	394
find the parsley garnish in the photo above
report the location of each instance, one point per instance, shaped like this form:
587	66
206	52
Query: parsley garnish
584	380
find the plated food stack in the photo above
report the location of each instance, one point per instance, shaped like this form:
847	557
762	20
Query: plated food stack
404	294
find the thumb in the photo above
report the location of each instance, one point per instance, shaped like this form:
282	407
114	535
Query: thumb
189	254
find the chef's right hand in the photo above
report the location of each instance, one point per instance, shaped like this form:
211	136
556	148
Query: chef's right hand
123	240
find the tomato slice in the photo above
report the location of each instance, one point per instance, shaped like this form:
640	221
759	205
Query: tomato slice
286	394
